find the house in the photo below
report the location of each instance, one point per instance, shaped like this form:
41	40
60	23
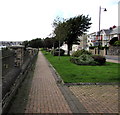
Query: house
115	32
104	37
94	39
91	39
10	43
75	47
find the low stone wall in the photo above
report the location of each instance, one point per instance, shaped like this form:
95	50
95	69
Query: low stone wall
16	76
101	51
114	50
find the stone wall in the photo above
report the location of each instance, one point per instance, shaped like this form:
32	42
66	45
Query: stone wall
114	50
14	78
102	52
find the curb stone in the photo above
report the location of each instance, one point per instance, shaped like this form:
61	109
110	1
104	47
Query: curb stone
73	102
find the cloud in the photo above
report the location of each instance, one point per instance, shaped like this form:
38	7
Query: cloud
29	19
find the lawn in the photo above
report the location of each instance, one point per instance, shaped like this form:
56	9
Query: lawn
72	73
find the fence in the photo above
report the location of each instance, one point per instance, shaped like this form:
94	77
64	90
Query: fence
15	63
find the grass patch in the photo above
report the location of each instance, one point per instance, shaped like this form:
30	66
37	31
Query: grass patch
72	73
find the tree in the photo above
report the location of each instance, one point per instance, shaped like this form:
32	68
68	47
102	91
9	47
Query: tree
25	43
50	42
36	43
70	29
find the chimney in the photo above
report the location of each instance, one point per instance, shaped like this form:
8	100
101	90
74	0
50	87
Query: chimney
114	27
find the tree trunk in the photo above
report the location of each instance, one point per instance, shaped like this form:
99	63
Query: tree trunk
59	50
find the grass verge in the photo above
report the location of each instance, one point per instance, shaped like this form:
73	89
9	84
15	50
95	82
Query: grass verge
72	73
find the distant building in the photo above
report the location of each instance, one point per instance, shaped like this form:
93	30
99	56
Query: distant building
9	43
75	46
105	36
91	39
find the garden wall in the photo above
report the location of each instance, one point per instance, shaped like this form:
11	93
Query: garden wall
102	52
114	50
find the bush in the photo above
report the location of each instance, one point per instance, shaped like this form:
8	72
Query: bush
83	59
80	52
117	43
56	52
99	59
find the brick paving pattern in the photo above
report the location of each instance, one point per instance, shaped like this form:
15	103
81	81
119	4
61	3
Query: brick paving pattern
97	98
45	96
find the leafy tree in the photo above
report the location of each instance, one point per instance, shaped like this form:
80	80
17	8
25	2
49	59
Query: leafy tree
25	43
50	42
69	30
36	43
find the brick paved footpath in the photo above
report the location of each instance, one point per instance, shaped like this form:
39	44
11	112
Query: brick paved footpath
98	98
45	96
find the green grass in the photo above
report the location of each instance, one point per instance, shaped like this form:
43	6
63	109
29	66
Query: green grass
72	73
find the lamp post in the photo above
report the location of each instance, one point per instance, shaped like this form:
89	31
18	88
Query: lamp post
100	42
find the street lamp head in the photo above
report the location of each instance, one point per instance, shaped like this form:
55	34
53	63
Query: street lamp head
105	9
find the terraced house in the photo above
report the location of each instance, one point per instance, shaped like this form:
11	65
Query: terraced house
104	37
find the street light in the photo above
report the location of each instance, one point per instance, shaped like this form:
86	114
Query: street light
100	43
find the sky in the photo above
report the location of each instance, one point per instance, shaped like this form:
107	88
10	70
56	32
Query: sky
22	20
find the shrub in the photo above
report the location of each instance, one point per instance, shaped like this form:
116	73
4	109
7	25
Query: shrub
56	52
99	59
80	52
83	59
113	40
117	43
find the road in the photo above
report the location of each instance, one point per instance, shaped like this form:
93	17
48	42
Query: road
113	58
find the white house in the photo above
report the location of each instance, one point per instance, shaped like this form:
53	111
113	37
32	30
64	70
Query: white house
105	36
91	39
75	47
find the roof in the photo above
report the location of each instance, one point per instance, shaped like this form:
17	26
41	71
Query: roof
115	30
111	31
107	31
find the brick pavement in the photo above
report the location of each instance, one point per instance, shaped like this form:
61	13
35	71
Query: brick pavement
97	98
45	96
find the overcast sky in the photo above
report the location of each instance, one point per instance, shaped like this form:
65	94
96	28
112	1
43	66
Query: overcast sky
22	20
